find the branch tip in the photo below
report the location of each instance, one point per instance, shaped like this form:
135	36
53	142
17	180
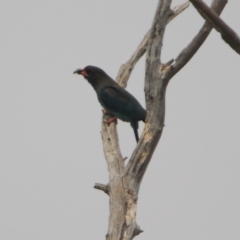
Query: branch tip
102	187
137	231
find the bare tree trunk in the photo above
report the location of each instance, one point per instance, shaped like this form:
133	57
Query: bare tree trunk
124	181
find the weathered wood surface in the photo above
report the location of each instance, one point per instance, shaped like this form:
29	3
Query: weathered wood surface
124	181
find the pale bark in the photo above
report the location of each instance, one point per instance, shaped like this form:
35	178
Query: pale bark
124	181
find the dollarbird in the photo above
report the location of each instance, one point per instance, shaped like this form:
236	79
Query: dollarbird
113	98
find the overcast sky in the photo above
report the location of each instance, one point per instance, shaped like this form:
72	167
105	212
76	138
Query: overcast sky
51	153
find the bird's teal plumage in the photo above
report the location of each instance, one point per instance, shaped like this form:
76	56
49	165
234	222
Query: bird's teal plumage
115	99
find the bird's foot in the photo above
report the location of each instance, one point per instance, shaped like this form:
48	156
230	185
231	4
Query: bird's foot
105	112
109	121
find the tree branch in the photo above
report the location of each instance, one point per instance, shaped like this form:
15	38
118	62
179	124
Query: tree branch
157	78
111	148
109	134
228	34
187	53
126	69
102	187
155	88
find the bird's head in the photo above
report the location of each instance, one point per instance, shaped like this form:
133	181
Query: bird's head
90	72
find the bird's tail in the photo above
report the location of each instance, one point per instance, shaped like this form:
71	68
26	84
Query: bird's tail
135	129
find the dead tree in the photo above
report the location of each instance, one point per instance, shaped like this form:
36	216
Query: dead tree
125	180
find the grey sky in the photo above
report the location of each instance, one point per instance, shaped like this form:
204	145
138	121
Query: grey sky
51	153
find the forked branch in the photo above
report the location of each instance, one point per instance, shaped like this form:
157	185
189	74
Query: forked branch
157	78
228	34
109	134
126	69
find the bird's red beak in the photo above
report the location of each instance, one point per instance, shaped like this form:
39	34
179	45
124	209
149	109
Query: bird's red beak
84	73
81	72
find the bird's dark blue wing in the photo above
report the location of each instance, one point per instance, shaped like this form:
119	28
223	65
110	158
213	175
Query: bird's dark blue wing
122	104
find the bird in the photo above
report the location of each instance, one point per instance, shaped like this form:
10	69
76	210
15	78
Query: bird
113	98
